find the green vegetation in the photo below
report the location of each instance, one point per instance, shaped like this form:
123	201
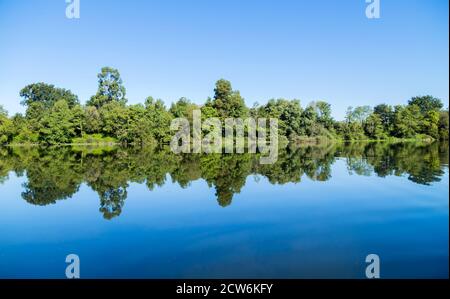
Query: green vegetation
96	139
55	116
56	173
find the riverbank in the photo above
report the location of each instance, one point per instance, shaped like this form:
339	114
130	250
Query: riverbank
303	141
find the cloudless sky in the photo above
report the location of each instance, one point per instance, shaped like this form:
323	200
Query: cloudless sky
310	50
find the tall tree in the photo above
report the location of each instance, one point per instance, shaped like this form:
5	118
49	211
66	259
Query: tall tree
58	125
160	118
227	102
47	94
140	129
426	103
373	126
183	108
5	126
386	115
323	110
352	128
361	113
407	121
114	119
309	124
430	124
110	88
444	124
288	113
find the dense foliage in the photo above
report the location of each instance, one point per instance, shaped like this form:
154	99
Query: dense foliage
56	173
55	116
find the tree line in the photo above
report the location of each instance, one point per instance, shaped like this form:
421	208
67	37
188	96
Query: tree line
55	116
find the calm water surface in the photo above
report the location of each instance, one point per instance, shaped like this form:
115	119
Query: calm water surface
147	213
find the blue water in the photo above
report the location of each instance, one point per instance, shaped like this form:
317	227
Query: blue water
307	229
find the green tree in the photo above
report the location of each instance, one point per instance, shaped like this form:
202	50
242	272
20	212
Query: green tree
361	113
22	134
58	126
430	124
140	128
323	110
288	113
40	99
182	108
308	123
92	120
107	113
47	94
407	121
78	120
426	103
352	128
114	119
110	88
443	124
208	112
429	108
386	115
373	127
6	126
35	113
159	118
227	102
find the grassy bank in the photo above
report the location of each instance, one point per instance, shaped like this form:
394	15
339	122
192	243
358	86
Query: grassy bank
98	140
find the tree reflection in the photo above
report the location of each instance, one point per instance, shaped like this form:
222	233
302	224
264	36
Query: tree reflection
56	173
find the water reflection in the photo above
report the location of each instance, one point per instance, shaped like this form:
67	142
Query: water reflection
56	173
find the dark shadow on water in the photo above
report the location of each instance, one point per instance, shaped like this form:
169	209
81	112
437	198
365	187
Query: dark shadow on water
56	173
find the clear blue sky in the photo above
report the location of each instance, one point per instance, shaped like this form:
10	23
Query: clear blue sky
308	50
